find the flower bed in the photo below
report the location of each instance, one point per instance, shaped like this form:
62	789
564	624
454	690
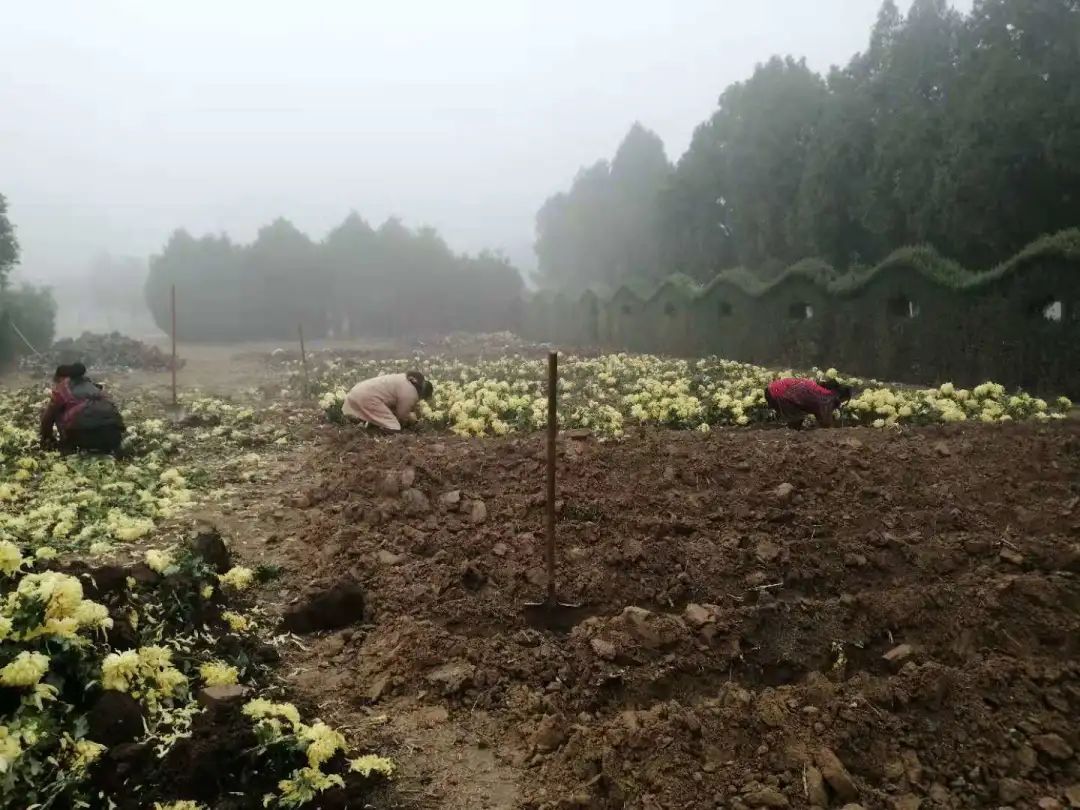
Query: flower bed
108	669
608	393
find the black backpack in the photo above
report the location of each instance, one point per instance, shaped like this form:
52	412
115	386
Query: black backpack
99	411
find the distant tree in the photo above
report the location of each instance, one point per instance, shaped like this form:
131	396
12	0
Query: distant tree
837	189
348	254
489	296
958	131
32	310
216	301
695	217
1010	167
639	171
26	312
907	102
358	281
764	128
573	231
9	246
835	179
292	282
606	227
743	171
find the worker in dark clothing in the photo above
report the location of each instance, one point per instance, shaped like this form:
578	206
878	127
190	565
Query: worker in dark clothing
82	414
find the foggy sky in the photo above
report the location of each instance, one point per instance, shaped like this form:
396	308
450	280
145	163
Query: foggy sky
121	121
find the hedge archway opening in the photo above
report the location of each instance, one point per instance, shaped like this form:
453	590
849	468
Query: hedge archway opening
800	311
901	306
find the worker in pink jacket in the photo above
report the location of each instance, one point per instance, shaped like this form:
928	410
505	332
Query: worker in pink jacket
387	401
795	398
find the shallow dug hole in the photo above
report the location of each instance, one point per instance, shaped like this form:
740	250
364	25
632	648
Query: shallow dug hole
773	619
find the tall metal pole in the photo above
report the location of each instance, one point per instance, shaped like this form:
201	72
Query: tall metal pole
173	306
552	430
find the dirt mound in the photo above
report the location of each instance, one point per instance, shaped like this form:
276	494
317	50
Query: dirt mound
775	619
113	351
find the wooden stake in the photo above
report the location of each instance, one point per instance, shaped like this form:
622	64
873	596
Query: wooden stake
552	431
173	306
303	360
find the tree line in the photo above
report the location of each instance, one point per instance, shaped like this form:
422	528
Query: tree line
958	131
359	280
27	313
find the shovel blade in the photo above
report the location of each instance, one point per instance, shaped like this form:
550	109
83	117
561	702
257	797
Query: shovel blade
556	616
175	413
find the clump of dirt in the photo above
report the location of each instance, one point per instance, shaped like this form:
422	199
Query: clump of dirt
331	609
774	619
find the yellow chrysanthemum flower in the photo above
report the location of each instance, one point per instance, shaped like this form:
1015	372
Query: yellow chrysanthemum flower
87	752
92	615
218	673
10	748
236	622
120	670
238	578
370	763
323	742
305	784
262	709
159	560
26	670
11	558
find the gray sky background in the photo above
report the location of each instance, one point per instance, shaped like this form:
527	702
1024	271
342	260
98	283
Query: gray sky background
122	120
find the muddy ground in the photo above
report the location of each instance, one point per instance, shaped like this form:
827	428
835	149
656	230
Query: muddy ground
769	618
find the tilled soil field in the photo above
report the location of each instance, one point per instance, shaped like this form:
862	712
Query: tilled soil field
769	619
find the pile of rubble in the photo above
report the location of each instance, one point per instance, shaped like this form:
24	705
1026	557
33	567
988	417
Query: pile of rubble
113	351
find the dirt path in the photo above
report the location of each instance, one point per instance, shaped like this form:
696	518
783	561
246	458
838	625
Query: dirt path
444	763
893	614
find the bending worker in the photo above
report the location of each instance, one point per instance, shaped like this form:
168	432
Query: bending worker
82	414
795	398
387	401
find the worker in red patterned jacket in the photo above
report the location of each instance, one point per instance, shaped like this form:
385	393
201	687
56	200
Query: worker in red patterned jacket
82	414
795	398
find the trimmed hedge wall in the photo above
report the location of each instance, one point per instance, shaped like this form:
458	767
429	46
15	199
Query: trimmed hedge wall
916	317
